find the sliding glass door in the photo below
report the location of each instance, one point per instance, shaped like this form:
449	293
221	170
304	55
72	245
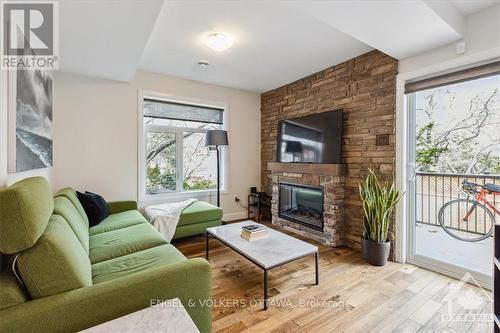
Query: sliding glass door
454	138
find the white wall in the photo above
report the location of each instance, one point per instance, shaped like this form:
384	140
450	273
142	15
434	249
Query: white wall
482	38
95	134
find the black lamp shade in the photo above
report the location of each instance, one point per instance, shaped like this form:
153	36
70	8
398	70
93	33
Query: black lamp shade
216	138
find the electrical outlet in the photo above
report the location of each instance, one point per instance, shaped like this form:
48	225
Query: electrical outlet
236	199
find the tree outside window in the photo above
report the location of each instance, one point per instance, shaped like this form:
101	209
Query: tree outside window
457	128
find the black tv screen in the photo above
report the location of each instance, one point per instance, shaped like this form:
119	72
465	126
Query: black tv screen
311	139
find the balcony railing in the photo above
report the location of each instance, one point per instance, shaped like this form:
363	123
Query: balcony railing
433	190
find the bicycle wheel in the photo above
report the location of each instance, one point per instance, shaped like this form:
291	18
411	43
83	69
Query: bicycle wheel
478	226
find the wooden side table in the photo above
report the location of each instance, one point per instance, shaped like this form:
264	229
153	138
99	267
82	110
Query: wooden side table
254	201
262	202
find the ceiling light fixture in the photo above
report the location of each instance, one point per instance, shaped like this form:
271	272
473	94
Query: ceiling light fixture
219	41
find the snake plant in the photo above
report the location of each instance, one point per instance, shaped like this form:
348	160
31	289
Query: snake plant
378	204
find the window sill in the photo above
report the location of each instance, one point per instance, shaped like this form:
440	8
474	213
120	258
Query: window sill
179	196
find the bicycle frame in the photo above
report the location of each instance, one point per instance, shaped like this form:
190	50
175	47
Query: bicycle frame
481	197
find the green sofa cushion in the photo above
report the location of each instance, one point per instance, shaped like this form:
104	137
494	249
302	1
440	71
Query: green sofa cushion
64	207
25	210
56	263
11	293
70	194
118	221
194	229
120	242
136	262
199	211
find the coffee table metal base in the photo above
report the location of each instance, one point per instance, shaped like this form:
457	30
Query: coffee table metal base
316	256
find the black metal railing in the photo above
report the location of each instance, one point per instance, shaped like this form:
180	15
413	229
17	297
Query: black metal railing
433	190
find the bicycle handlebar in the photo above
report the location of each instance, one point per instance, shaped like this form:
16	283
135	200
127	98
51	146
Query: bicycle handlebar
464	182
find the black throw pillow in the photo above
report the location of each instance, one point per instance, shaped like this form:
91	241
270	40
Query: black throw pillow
95	206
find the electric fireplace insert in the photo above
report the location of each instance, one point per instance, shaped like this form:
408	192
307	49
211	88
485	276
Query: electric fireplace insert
302	204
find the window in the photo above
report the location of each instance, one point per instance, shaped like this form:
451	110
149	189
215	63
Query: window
457	127
174	154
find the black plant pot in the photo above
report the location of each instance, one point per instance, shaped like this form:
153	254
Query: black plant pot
375	253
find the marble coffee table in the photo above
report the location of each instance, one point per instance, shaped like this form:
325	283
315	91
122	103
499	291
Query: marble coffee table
168	316
275	250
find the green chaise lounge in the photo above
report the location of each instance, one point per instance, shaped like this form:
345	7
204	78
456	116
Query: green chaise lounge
76	277
196	218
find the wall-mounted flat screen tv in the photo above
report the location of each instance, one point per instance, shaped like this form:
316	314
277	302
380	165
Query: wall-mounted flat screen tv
311	139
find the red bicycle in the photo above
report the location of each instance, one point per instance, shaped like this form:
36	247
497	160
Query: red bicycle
470	220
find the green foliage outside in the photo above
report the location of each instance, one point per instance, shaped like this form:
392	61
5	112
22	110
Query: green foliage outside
199	184
158	182
427	154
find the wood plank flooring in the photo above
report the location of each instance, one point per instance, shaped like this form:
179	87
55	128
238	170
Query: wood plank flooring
352	296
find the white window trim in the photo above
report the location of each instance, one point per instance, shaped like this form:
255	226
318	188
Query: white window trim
141	146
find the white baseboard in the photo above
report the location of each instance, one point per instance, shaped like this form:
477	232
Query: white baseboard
235	216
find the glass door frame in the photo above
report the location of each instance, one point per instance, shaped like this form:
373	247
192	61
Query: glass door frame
413	257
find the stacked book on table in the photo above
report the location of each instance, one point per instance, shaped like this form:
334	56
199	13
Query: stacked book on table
253	232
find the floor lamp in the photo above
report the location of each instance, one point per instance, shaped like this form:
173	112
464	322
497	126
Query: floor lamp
216	138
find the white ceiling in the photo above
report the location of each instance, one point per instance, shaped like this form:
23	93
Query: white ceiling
397	28
273	45
276	42
105	39
467	7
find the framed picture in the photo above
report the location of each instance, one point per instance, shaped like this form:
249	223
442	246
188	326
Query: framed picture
29	120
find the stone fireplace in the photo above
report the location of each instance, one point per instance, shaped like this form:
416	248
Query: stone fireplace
309	199
365	89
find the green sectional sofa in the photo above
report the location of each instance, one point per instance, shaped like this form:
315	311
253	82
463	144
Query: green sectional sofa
73	277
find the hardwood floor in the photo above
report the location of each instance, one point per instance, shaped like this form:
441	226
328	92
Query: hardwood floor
352	296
